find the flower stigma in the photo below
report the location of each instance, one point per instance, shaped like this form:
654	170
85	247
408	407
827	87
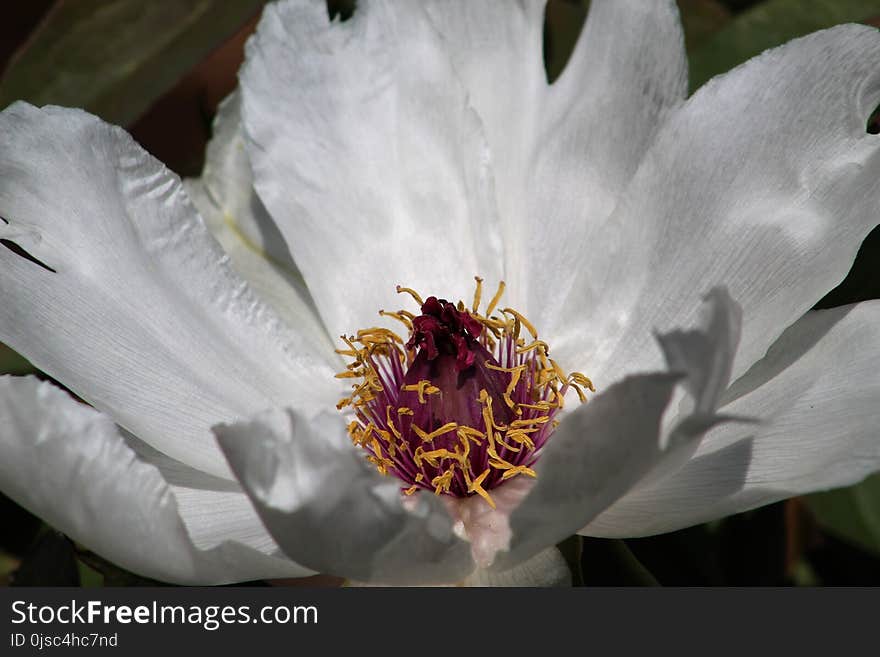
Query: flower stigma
464	404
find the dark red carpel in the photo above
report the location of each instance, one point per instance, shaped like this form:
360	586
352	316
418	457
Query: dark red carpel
451	357
443	329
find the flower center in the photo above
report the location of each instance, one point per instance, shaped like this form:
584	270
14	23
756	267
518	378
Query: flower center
466	403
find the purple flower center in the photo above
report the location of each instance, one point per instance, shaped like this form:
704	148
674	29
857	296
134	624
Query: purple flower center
464	405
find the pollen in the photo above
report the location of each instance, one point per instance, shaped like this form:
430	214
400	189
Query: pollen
465	403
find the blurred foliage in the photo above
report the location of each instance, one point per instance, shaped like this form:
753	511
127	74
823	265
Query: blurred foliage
770	24
8	565
88	576
50	561
12	363
701	19
748	549
115	57
562	26
563	20
851	514
97	571
572	550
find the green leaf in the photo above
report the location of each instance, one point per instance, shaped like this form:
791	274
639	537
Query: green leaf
852	514
572	550
13	363
115	57
110	574
701	19
88	576
771	24
563	21
8	565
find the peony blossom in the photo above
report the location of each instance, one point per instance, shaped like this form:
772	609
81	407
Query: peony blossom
608	238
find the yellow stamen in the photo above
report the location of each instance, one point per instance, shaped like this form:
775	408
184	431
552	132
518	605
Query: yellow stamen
477	487
378	334
424	387
475	435
443	481
521	436
534	345
522	320
518	469
498	368
559	372
350	374
390	424
399	316
488	420
541	419
580	393
412	293
428	437
540	406
581	380
478	293
495	299
432	456
500	440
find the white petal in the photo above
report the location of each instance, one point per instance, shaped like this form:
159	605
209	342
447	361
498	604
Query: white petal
545	569
602	450
706	354
213	509
817	393
67	463
330	510
229	181
764	181
563	153
142	317
497	49
368	156
226	199
595	456
487	528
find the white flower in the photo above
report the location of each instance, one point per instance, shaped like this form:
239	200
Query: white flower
420	144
